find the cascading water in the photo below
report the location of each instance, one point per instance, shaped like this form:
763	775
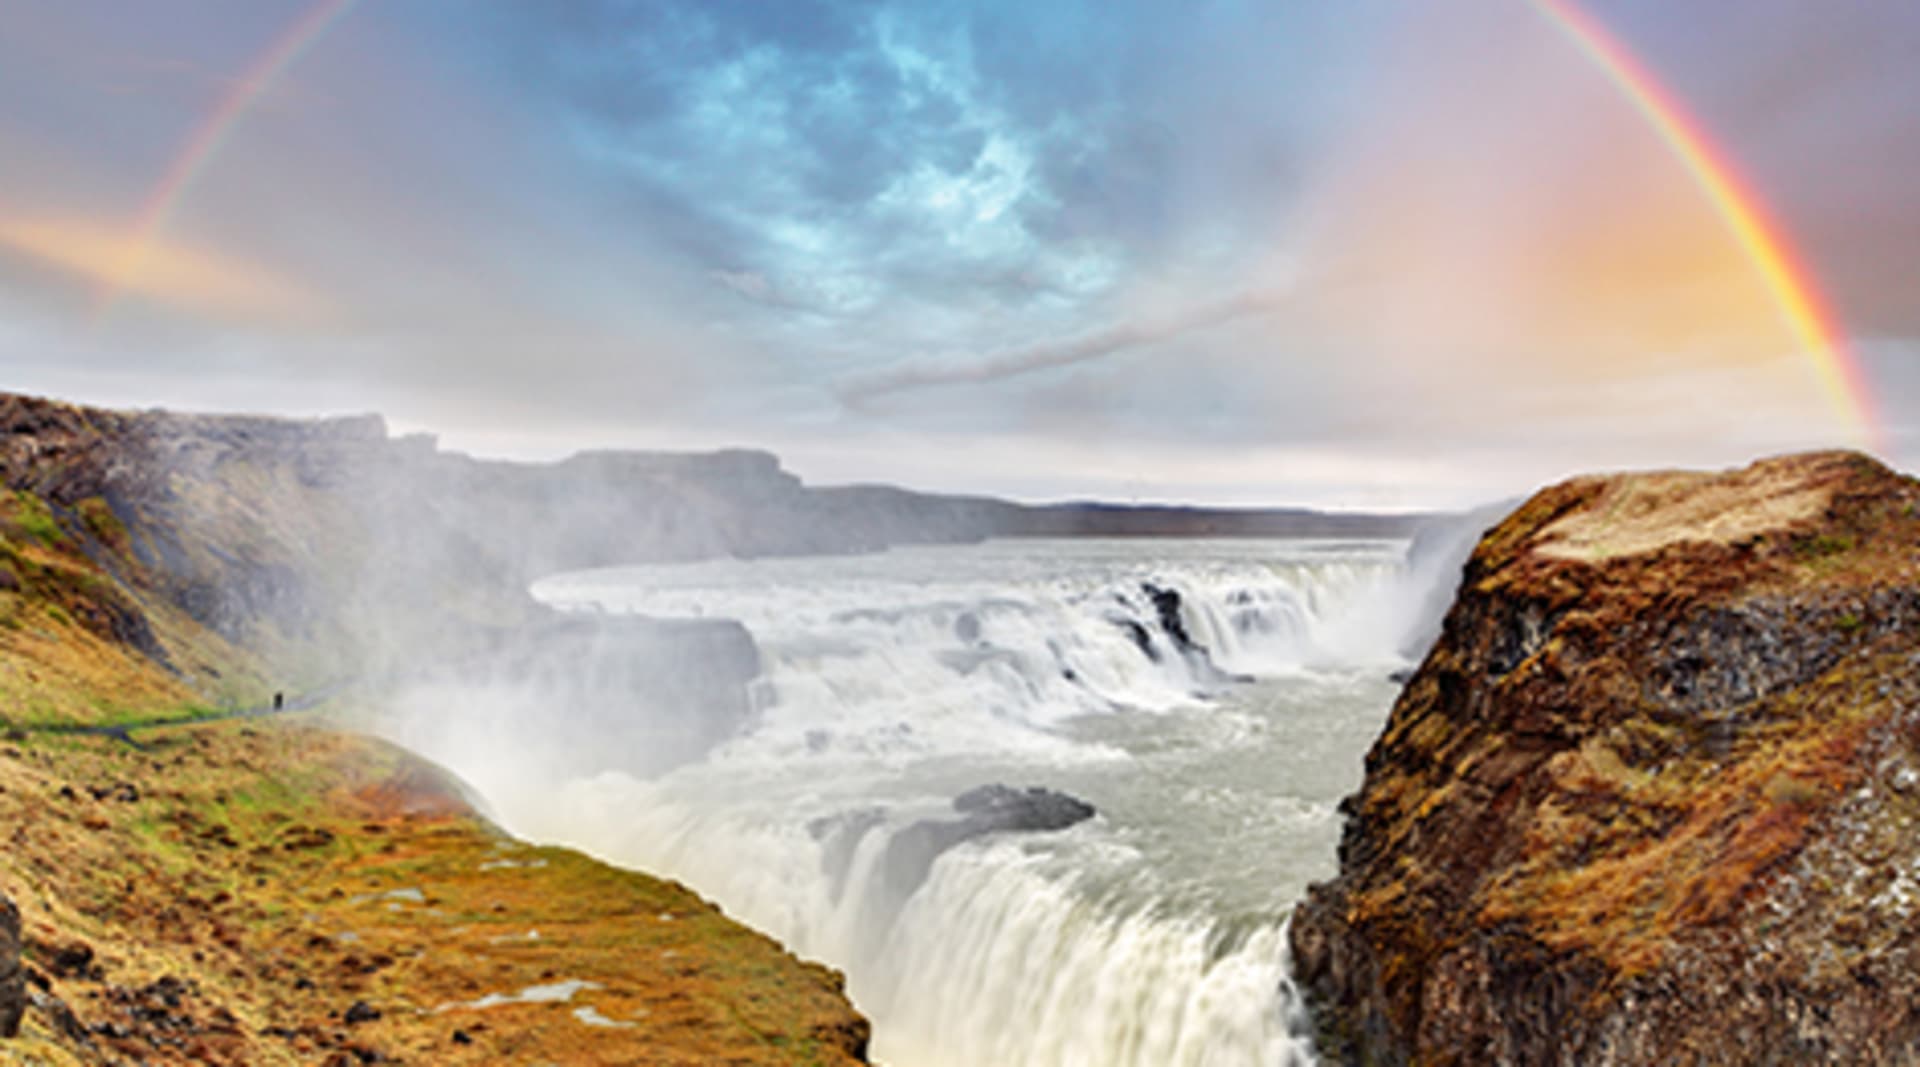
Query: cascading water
1211	699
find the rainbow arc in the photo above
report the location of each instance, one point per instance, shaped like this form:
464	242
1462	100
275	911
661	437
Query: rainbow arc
1761	240
191	160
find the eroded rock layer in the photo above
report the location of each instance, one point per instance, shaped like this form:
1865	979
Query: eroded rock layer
1654	796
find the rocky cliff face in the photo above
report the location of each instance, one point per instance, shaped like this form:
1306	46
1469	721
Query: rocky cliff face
180	892
1654	796
329	544
314	551
297	523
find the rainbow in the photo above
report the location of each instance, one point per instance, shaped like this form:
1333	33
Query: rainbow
1760	239
191	159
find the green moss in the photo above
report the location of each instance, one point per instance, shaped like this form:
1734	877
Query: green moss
59	614
34	520
102	522
1821	546
1848	623
122	716
1785	790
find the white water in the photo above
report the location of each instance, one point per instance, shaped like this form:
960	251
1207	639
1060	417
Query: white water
1152	934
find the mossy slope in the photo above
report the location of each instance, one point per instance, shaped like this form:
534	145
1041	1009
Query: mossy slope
227	892
262	878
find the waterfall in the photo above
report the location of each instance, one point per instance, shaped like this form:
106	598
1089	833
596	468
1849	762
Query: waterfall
1212	700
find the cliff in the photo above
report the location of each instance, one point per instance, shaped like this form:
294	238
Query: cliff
331	541
187	880
279	892
198	884
333	546
1653	795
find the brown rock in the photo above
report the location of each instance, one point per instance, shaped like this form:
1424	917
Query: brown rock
60	1018
74	959
1646	799
13	979
360	1012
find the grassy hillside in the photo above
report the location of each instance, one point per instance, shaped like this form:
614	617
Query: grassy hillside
276	890
230	892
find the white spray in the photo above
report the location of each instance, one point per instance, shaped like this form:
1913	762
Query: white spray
1212	699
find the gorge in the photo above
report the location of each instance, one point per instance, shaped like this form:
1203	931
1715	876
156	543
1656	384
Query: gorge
1649	784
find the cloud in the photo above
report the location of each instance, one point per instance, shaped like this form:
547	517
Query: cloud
731	221
750	284
1083	348
176	274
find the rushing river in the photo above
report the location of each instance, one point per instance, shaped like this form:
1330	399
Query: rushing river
1212	699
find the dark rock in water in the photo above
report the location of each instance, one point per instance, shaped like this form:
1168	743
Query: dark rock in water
1166	607
1138	634
984	810
1007	808
1166	604
967	627
13	980
1401	676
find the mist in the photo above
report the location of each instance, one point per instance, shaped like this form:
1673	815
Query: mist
883	726
963	486
799	742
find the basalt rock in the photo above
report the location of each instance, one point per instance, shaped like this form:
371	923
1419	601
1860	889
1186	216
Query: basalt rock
1000	807
1170	613
984	810
1654	795
1166	608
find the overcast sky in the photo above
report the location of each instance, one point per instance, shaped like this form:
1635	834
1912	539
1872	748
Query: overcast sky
1359	254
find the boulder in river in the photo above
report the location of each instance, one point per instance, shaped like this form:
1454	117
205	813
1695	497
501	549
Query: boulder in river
984	810
1002	807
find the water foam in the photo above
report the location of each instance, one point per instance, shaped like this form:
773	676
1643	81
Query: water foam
1151	935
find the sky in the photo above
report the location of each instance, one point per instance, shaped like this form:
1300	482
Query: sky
1366	254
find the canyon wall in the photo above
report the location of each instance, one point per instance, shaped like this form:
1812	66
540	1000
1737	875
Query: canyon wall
1654	795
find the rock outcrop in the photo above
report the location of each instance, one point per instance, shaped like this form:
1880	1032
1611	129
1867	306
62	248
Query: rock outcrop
13	979
297	525
983	810
1654	796
322	550
179	892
